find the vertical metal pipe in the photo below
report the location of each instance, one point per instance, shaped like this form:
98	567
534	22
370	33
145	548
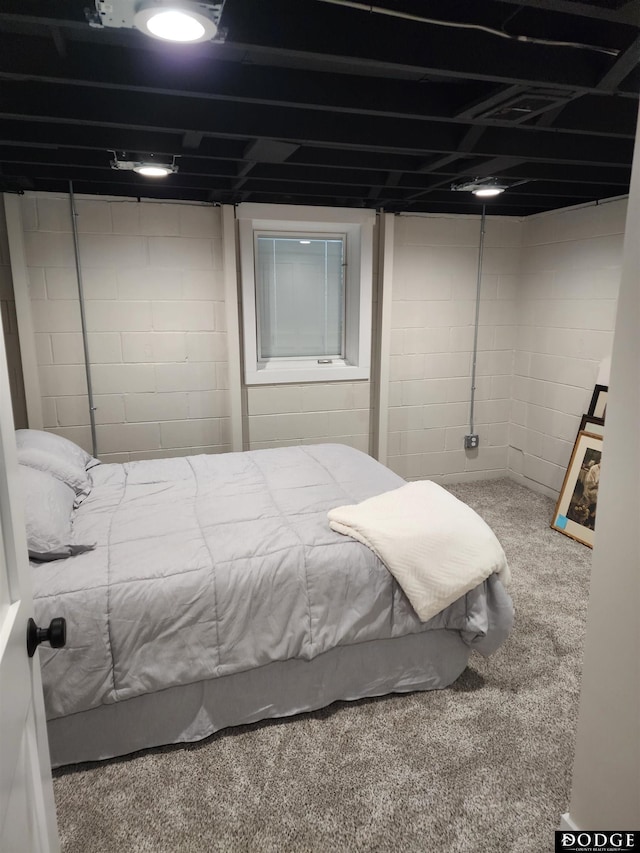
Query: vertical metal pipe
477	320
83	320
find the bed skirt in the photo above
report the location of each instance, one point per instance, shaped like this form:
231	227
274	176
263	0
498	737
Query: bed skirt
425	661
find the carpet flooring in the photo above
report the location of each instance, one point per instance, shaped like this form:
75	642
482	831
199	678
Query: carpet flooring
481	767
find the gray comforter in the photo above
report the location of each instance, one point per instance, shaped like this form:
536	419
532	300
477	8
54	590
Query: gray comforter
211	565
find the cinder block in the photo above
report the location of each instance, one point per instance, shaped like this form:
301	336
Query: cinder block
67	348
116	316
54	214
289	426
123	378
208	404
180	253
159	220
220	316
154	347
362	395
109	408
353	422
183	316
192	433
318	397
125	217
49	249
406	367
113	251
44	354
59	380
29	211
105	347
422	441
199	221
498	435
486	458
49	415
274	399
37	288
72	411
206	346
155	407
199	376
202	285
125	438
99	283
94	217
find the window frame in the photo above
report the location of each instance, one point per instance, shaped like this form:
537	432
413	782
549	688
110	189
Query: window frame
292	220
301	235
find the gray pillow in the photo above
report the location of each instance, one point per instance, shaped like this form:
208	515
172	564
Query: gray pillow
48	505
46	451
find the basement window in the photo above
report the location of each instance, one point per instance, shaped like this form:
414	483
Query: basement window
306	293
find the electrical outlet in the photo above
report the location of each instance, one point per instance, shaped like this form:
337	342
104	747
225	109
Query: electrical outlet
471	441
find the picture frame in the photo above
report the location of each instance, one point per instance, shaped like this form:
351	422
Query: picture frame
575	512
590	423
598	404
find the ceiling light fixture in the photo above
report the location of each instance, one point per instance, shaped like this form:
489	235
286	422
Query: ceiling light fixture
487	192
481	187
148	166
182	21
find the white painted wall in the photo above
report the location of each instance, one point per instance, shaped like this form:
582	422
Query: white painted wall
154	290
155	294
569	278
10	329
313	413
433	312
606	774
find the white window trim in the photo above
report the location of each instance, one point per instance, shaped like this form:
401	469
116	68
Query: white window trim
358	226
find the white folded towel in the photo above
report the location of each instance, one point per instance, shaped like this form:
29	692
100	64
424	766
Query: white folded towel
435	546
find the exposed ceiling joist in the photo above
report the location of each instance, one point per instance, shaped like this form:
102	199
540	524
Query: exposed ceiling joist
317	103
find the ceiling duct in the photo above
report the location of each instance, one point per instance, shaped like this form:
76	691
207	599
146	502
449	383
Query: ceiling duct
524	106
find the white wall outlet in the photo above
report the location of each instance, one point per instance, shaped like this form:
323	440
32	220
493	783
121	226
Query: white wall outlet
471	441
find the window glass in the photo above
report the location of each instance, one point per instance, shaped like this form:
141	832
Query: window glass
301	296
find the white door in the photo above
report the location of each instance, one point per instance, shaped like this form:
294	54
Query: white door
27	809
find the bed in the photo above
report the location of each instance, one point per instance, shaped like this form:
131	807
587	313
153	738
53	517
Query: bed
208	591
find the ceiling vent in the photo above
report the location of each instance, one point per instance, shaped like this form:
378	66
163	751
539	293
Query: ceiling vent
524	106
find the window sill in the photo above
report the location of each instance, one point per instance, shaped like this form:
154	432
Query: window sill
275	374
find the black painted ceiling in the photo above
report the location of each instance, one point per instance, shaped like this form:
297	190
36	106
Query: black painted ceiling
316	102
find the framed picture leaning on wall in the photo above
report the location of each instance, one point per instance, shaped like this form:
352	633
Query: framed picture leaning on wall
575	512
598	405
591	424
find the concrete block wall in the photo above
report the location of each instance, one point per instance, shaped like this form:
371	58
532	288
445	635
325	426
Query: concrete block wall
10	330
433	314
313	413
569	279
153	282
154	295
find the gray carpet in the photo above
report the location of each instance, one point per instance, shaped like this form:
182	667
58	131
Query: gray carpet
483	766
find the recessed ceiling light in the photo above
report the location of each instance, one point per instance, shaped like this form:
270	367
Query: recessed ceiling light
482	187
486	192
305	242
150	170
183	22
145	165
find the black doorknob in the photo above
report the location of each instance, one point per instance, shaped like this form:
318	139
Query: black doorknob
55	635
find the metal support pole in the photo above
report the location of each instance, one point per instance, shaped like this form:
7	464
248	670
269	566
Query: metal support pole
83	321
477	320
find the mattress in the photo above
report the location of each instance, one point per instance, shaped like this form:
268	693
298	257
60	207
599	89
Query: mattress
207	567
